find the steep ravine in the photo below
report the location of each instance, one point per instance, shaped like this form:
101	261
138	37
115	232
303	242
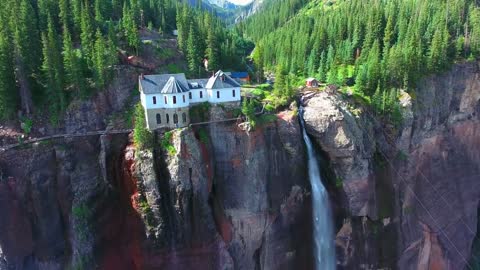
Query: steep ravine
410	196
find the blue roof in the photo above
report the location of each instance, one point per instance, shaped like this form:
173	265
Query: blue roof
239	75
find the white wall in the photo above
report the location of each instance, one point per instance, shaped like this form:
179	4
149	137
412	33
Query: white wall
196	95
226	95
161	101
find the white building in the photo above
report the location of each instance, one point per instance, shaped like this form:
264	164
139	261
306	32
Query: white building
166	98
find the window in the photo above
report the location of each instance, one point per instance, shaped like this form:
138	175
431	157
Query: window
174	100
184	99
218	94
201	94
190	95
165	100
233	93
175	118
159	119
154	100
184	117
168	118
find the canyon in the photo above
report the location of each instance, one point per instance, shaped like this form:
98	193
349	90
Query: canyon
403	197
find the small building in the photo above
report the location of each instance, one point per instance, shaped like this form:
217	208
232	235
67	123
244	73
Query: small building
167	98
241	77
312	82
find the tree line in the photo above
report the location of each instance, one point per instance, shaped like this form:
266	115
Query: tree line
201	35
54	50
375	45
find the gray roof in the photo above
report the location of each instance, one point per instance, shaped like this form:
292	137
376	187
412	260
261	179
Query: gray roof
155	84
221	80
174	86
197	83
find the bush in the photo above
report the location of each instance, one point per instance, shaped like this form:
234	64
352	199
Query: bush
203	136
167	145
26	125
142	137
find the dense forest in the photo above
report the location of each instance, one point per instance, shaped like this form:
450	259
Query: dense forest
54	50
202	35
376	45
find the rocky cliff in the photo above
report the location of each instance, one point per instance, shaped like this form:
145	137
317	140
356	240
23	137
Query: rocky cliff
407	197
219	198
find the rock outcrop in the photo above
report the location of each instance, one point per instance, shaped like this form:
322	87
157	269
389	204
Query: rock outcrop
416	187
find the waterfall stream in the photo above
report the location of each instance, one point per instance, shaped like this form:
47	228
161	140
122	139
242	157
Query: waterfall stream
323	231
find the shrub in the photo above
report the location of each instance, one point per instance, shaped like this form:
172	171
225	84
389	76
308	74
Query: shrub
27	124
167	145
203	136
142	137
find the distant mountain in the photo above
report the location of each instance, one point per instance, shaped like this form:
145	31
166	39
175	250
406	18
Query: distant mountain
227	10
225	4
250	9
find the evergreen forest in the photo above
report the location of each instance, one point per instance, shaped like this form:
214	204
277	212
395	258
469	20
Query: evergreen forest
52	51
377	46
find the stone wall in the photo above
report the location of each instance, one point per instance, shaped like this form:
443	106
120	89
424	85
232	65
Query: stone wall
152	118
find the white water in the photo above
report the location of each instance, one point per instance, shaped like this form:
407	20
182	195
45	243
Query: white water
322	217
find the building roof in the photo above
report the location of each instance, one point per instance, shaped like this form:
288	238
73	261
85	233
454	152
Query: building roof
154	84
221	80
197	83
311	79
174	86
239	75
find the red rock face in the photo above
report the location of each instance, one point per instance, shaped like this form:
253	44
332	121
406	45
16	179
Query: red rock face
123	235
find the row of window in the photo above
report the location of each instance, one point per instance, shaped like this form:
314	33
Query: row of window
190	97
175	118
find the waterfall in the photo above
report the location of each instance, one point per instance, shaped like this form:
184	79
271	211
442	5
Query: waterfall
323	232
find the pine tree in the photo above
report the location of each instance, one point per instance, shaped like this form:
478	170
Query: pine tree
8	93
257	57
213	54
53	70
280	81
65	13
101	62
26	50
194	55
73	68
99	12
130	28
86	36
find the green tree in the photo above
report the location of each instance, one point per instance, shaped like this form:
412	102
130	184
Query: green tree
73	68
53	70
142	137
194	55
86	36
8	93
130	28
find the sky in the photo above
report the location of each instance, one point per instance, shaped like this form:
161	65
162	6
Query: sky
240	2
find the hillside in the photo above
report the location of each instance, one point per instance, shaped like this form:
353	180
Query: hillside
371	50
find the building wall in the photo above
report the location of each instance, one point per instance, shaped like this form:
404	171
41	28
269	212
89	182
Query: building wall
196	95
226	95
151	115
161	101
